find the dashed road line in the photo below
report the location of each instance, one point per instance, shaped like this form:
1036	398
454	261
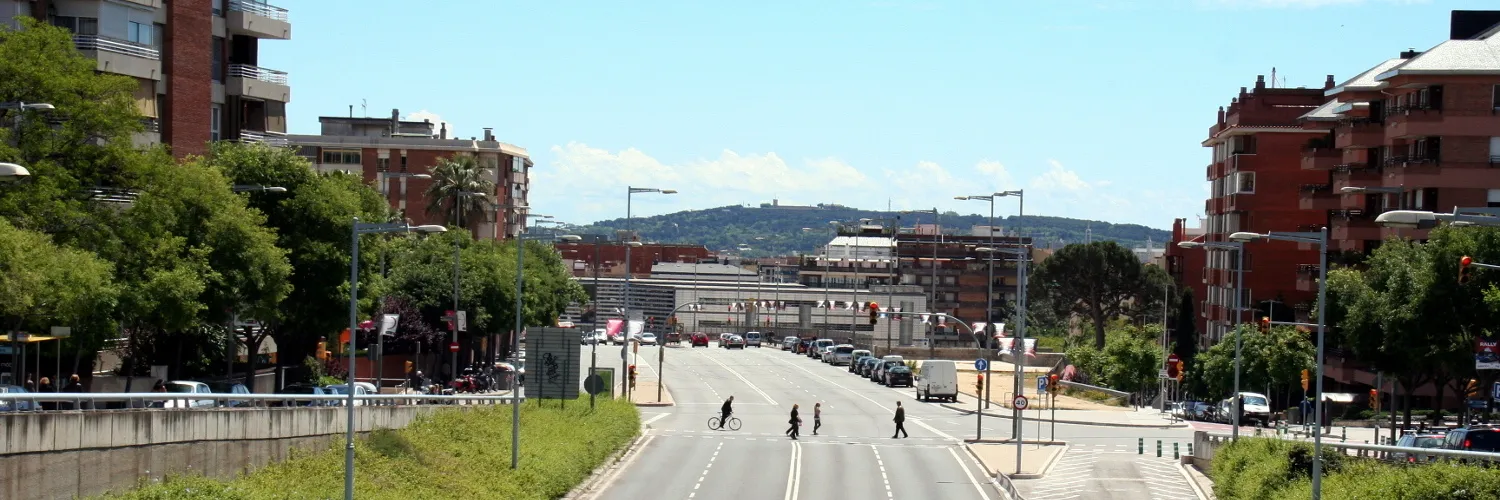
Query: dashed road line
706	468
883	477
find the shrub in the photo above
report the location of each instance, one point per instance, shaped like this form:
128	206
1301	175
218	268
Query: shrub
1260	468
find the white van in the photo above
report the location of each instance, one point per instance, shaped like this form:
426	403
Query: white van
938	380
752	339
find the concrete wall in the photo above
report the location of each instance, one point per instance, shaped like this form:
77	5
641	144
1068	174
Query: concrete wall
63	455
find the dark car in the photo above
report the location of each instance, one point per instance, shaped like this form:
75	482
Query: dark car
804	345
867	366
1484	438
673	337
700	339
898	375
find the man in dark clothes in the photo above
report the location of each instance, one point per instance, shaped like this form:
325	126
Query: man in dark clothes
900	422
725	411
796	422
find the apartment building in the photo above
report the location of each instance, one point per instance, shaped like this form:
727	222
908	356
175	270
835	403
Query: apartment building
1418	131
196	63
1257	180
388	152
606	258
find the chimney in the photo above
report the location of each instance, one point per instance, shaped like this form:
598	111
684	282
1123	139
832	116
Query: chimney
351	111
1472	24
395	121
443	130
1260	82
1328	84
489	134
1221	115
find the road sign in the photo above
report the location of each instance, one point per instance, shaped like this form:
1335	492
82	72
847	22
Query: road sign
553	363
62	331
1495	391
1162	373
453	347
1041	384
981	364
594	384
463	321
1020	402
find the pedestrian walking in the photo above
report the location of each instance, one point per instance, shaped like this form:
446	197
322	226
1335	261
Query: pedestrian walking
817	417
900	422
796	422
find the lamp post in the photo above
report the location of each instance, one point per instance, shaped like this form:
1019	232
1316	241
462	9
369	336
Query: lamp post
357	229
989	297
10	172
1238	248
630	192
937	232
252	188
229	340
515	336
1321	239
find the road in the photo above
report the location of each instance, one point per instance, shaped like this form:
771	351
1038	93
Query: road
853	455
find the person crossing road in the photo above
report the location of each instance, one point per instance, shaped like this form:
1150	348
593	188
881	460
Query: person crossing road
900	422
725	411
795	421
817	417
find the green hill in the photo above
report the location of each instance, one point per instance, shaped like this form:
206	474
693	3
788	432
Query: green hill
780	229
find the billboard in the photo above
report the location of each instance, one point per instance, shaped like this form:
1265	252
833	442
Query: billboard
554	363
1486	354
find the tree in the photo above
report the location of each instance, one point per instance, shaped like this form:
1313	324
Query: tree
1128	362
1272	360
1185	328
456	184
1095	280
312	221
47	285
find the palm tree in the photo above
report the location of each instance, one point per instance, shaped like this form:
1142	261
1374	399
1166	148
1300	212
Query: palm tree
459	187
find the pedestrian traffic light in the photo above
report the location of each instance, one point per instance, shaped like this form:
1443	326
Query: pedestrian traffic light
1181	371
874	312
1374	400
1473	389
1463	269
408	367
979	384
1265	324
1304	380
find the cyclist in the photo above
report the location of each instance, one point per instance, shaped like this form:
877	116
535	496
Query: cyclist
725	411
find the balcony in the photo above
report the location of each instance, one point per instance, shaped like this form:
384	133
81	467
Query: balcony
275	139
1402	161
258	19
1321	158
1353	224
1403	123
1359	134
1318	197
257	82
120	57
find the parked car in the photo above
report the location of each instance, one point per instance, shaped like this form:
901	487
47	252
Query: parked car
699	339
188	387
220	388
724	339
16	405
866	365
752	339
1417	441
789	343
343	389
1484	438
898	375
939	380
803	346
735	342
884	367
841	355
818	345
856	357
303	390
1257	408
588	338
648	338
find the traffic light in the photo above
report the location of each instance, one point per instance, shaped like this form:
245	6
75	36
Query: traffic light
1265	324
1473	389
1181	371
979	384
408	367
1052	384
874	312
1463	269
1374	400
1304	380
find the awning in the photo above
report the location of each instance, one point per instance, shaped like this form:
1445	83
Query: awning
1338	397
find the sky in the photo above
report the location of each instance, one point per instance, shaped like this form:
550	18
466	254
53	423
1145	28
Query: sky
1096	108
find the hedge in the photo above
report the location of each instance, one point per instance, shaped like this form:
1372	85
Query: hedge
1266	469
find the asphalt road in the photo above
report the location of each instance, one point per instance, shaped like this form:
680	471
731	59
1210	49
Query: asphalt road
853	455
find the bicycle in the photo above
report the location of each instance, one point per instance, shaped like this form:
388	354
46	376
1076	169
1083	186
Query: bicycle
733	424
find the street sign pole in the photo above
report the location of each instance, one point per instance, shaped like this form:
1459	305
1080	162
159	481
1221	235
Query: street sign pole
983	365
593	367
661	366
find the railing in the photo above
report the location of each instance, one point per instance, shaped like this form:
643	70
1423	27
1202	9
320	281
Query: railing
55	401
261	9
1352	213
151	125
276	139
1310	228
1308	269
1494	159
106	44
257	73
1314	188
1208	442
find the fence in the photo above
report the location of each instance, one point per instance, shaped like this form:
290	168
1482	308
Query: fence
1205	444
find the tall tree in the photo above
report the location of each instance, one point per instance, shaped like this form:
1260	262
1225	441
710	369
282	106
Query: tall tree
1095	280
1185	328
460	187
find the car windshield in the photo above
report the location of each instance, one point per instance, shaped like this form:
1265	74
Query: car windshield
180	388
900	369
1428	442
844	350
1256	400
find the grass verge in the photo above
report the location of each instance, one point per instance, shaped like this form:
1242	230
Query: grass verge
1263	468
449	454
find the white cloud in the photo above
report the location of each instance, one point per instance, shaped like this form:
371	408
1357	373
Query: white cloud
437	121
998	176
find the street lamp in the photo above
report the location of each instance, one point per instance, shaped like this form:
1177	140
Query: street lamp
1020	195
10	172
1238	248
989	297
33	106
251	188
515	336
1321	239
1417	219
357	229
1369	189
1018	346
630	192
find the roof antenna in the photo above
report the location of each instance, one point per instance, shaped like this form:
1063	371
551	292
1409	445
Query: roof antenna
364	106
1273	77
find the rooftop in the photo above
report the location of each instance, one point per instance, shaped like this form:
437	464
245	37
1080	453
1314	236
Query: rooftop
862	241
701	269
1453	57
1367	80
1324	113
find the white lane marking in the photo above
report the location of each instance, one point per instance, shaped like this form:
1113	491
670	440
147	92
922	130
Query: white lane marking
883	478
876	403
968	474
655	418
743	379
705	470
794	473
619	467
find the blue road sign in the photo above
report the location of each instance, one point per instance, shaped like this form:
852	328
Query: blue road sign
982	364
1495	391
1041	384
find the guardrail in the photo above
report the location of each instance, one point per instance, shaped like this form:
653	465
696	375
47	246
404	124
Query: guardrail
106	44
1208	442
257	73
39	401
259	8
267	138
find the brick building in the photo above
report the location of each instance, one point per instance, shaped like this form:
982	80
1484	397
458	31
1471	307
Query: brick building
386	151
608	257
196	63
1257	176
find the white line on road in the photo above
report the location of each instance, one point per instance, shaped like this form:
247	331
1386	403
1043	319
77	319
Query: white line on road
883	478
867	398
743	379
655	418
794	473
705	470
970	475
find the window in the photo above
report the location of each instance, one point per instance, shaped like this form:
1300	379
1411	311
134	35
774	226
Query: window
218	7
1244	183
216	57
1495	98
78	25
341	156
215	119
382	164
517	164
1495	150
140	33
159	30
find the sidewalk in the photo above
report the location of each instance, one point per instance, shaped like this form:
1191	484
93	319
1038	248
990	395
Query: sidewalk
1145	418
1001	459
644	393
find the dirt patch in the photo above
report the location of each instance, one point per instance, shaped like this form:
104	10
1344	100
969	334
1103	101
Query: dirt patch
1000	394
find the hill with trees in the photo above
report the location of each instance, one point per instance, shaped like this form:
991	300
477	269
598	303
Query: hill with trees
779	230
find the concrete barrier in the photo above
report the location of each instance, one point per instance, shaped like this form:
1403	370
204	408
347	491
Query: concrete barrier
64	455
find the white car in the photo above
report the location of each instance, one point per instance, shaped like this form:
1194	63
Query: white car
189	387
601	336
648	338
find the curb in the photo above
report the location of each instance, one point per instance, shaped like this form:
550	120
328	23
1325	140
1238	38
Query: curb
994	476
966	411
599	473
660	404
1045	468
1193	482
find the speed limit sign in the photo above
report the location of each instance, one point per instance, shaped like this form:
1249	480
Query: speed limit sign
1020	402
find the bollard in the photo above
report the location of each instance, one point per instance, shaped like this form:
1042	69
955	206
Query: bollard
1190	449
1343	434
1140	446
1175	455
1158	448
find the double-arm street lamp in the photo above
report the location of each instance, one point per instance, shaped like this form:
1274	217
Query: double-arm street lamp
1018	346
515	336
1238	248
1321	239
357	229
252	188
1417	219
630	192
